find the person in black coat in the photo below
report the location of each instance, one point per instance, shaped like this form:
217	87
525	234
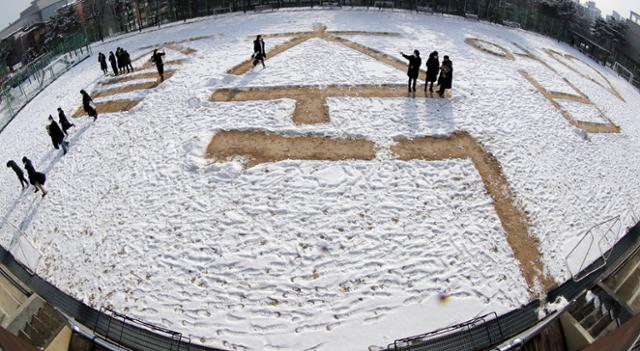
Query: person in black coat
103	63
114	63
119	60
433	66
446	76
86	103
259	53
414	68
36	179
57	135
157	59
127	60
11	164
64	122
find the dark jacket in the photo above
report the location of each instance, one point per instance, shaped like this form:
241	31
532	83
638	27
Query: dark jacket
126	57
432	68
57	136
112	60
34	177
103	61
64	122
16	169
414	65
157	58
119	59
446	75
86	100
258	47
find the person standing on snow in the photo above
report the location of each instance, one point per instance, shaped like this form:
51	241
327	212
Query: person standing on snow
433	66
414	68
64	122
36	179
11	164
446	76
259	54
103	63
114	64
119	60
86	103
127	60
57	135
157	59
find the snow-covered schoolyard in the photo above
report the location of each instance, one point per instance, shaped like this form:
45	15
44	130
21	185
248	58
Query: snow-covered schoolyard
313	254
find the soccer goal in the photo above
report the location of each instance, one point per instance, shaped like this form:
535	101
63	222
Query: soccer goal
623	72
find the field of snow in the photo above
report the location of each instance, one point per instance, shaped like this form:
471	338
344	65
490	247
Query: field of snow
315	255
585	113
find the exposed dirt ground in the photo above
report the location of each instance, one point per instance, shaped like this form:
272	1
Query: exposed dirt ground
461	145
527	54
126	89
260	147
320	32
589	127
311	101
109	107
184	50
149	64
132	77
564	96
384	58
176	42
562	60
475	42
246	66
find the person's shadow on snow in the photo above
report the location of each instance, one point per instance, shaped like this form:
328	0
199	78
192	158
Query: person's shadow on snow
440	119
53	156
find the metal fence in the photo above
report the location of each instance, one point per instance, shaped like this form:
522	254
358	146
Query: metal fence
117	329
478	334
458	338
29	81
475	334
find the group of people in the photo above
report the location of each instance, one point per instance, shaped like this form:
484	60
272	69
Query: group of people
120	62
442	73
58	132
36	178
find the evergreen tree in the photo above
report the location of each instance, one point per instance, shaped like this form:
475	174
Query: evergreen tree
6	47
562	16
63	23
610	34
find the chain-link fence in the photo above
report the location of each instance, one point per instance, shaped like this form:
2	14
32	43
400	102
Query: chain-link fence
26	83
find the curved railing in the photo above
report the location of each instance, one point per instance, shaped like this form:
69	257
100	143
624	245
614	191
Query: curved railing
474	336
480	333
477	334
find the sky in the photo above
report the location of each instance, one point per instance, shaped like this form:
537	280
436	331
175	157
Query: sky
11	8
11	11
621	6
